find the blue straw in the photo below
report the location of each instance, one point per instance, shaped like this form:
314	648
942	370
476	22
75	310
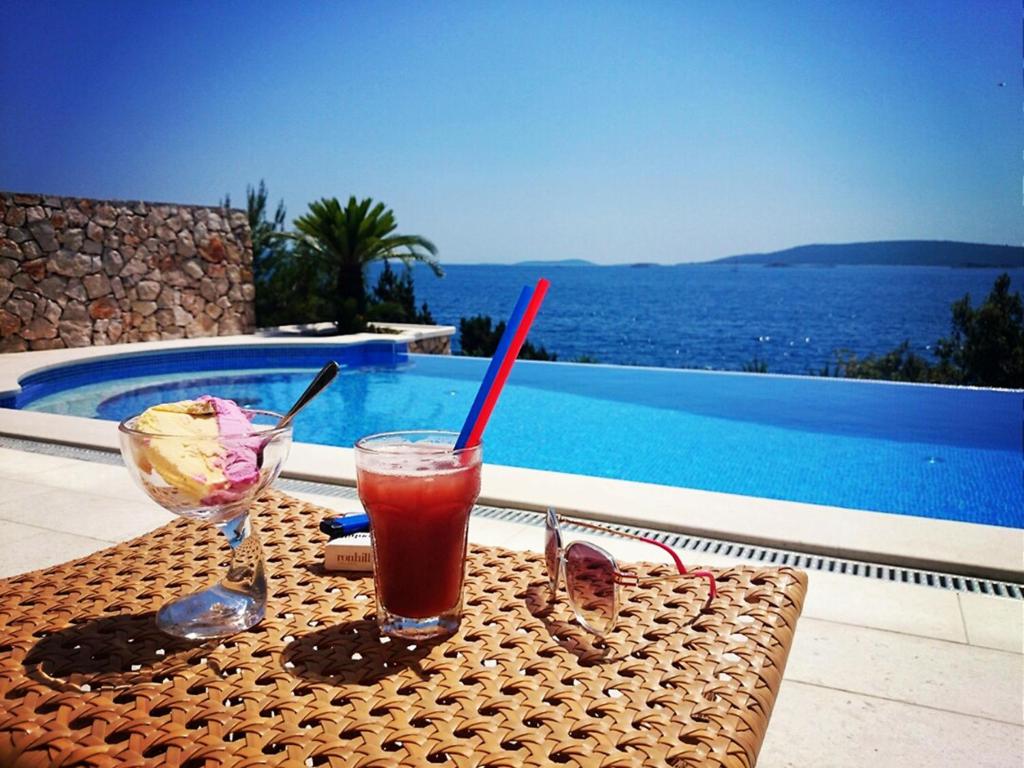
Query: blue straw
492	369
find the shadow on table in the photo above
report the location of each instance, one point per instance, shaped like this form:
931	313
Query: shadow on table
559	621
353	652
110	652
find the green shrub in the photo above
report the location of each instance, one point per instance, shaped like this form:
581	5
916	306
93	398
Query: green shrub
985	348
394	299
478	339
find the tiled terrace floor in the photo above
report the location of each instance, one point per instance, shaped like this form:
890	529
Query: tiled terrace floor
881	674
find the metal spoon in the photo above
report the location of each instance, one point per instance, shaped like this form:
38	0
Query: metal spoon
325	377
322	379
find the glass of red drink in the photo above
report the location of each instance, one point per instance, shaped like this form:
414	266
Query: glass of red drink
418	492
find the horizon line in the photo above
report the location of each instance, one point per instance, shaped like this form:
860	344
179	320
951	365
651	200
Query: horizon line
569	261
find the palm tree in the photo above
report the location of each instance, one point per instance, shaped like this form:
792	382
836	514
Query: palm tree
345	240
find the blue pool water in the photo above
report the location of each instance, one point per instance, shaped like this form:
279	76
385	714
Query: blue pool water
940	452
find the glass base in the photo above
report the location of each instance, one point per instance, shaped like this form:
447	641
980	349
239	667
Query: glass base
393	625
213	612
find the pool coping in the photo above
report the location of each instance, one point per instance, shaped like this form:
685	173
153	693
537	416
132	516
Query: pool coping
16	365
968	549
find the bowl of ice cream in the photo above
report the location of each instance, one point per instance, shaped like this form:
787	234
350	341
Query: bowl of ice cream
207	459
204	458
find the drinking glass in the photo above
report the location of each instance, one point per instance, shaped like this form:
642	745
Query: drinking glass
418	492
239	600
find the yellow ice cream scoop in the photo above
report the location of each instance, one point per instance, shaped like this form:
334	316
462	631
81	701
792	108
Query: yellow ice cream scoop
184	446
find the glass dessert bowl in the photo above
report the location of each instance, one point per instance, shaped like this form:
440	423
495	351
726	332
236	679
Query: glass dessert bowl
208	459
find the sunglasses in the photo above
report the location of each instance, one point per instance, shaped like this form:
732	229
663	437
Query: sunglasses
592	577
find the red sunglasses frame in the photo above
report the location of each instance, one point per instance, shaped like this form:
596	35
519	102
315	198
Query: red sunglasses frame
626	578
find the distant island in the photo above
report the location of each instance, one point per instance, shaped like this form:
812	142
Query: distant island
556	263
911	253
903	253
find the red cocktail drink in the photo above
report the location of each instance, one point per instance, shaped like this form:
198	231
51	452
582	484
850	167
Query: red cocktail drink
418	493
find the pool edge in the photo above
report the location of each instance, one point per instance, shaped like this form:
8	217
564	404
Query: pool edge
968	549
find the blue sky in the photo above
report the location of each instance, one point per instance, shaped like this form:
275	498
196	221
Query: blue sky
617	132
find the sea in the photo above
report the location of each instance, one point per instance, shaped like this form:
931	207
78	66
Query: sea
793	319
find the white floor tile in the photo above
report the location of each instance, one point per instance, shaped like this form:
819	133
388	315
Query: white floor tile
814	726
17	490
43	549
916	670
501	533
993	622
906	608
11	533
24	464
84	514
333	503
93	477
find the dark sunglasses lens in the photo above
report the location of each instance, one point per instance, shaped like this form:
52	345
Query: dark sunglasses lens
590	581
551	554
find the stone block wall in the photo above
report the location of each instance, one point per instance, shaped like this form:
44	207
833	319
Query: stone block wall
434	345
76	272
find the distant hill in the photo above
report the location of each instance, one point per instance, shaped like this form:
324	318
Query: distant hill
556	263
920	253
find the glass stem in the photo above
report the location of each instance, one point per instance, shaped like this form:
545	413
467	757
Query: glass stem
245	572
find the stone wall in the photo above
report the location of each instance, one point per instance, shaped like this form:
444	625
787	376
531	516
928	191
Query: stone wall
435	345
75	272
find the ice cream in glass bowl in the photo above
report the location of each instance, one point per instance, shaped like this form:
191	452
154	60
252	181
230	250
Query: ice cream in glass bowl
207	459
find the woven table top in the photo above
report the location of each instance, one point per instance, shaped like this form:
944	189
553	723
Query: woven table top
87	679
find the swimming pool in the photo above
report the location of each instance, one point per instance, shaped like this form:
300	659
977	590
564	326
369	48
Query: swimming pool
940	452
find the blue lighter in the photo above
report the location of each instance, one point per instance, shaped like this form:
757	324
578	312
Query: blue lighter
337	526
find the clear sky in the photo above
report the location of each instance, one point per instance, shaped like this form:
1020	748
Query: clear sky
616	132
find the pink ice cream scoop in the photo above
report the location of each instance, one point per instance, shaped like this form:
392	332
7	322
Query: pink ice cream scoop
239	461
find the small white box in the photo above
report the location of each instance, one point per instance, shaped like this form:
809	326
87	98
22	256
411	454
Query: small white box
349	553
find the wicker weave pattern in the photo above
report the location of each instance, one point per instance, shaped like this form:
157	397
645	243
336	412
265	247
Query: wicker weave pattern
86	679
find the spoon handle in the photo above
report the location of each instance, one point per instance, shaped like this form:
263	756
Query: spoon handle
325	377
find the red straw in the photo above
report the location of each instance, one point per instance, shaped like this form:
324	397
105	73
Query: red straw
506	363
